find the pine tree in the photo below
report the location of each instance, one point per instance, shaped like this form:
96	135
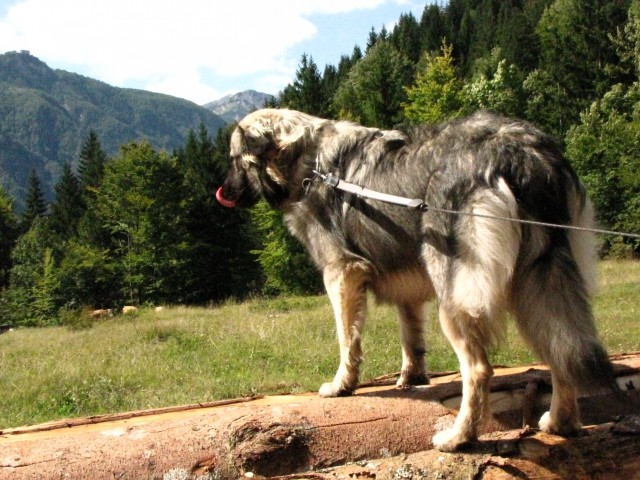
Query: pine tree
68	205
626	41
30	298
333	77
43	307
384	34
356	56
8	234
306	93
91	163
200	171
35	205
432	26
437	94
91	167
374	90
372	39
285	263
482	35
330	84
515	32
458	27
405	37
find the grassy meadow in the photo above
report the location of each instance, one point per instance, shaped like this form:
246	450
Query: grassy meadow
262	346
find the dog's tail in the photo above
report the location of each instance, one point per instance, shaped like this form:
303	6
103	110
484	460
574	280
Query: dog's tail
591	366
552	297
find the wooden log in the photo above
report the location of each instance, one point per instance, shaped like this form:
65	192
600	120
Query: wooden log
276	436
610	451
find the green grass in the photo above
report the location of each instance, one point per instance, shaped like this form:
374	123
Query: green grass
262	346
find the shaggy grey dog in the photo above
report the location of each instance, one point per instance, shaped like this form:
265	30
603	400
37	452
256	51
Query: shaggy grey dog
478	268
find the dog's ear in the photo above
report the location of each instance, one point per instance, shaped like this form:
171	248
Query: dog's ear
258	135
286	131
290	131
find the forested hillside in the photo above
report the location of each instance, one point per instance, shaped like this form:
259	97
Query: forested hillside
142	227
45	115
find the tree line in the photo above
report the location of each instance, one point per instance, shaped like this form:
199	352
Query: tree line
144	227
140	228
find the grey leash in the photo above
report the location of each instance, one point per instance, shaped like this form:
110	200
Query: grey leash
417	204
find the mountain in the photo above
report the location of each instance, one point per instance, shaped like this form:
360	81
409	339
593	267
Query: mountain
46	115
232	108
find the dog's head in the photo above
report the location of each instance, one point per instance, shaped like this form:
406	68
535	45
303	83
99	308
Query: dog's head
268	149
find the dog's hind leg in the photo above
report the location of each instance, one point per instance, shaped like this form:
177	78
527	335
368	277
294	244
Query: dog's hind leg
472	284
460	329
413	372
347	289
553	314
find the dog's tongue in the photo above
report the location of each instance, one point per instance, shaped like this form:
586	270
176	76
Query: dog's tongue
223	201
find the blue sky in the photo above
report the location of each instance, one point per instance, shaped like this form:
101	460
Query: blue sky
200	50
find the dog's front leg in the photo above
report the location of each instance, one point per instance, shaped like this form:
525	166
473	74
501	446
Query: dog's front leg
346	287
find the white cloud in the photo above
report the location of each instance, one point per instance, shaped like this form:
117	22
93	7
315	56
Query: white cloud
185	84
168	46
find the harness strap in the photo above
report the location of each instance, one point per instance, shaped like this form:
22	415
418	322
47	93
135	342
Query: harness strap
340	184
418	204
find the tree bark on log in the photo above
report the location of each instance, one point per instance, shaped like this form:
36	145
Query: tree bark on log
610	451
289	435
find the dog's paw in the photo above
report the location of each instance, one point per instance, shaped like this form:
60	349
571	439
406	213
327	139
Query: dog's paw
408	380
450	440
545	423
328	390
548	425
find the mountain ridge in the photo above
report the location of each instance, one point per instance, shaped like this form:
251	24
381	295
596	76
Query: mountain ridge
235	106
46	114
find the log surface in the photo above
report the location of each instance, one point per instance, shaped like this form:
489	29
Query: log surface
610	451
291	436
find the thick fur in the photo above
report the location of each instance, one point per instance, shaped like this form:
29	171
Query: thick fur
478	268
